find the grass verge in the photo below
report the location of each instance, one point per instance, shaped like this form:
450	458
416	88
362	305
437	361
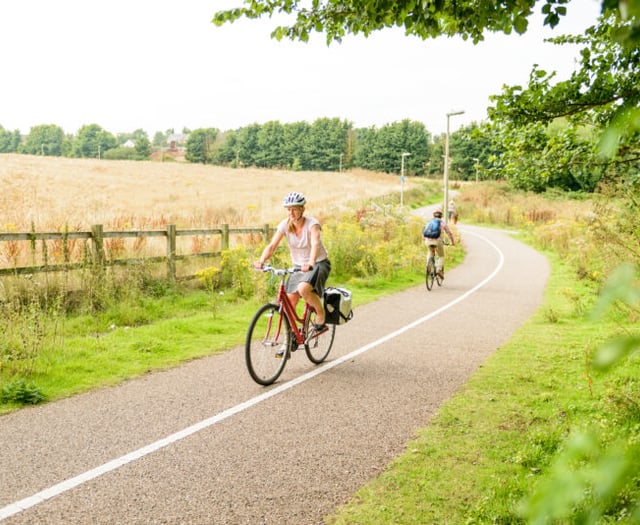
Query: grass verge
490	445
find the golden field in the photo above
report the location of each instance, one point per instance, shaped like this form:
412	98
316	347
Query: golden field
47	193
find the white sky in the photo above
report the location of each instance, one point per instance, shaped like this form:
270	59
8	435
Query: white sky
160	64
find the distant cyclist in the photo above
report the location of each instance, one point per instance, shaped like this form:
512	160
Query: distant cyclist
307	253
433	235
453	214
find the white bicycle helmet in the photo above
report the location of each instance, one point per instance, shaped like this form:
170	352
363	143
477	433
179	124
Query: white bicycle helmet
294	199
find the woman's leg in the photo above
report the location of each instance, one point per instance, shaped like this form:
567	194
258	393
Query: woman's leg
293	299
311	297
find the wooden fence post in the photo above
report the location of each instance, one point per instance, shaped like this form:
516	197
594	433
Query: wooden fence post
171	252
65	244
225	237
265	232
97	244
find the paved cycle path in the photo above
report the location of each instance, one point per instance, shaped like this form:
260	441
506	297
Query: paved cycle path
203	444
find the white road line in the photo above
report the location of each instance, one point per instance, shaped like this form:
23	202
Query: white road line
55	490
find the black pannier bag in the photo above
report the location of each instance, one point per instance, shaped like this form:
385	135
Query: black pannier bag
337	305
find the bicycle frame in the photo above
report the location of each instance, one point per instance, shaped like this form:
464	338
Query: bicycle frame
296	322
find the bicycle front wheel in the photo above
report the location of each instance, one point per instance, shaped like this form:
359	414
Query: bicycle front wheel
268	344
317	346
430	272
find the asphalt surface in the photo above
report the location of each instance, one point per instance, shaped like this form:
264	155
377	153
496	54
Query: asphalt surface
204	444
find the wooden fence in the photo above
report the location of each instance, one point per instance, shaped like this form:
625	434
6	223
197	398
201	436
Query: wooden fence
97	255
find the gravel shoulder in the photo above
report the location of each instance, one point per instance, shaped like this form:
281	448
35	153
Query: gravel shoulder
291	458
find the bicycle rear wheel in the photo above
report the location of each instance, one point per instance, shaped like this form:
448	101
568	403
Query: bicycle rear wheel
430	272
269	334
318	346
440	279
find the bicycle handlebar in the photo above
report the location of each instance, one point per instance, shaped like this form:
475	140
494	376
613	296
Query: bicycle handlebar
279	271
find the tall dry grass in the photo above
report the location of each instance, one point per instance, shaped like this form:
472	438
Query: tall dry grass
42	194
49	192
594	233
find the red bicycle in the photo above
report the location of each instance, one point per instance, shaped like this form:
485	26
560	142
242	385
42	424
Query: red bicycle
277	330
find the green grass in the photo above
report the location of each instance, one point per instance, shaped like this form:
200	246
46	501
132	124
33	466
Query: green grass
134	337
489	445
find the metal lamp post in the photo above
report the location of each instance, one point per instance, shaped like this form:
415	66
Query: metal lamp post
405	154
446	166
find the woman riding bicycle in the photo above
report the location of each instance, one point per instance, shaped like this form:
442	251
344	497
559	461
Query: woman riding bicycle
438	242
307	253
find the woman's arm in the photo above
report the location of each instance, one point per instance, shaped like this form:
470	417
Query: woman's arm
313	253
269	249
448	230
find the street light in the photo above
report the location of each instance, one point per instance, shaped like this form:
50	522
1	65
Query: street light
446	166
477	160
405	154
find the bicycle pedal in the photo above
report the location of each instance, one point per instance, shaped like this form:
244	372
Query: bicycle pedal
281	354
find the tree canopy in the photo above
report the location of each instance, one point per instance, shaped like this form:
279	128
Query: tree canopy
421	18
574	133
604	90
93	141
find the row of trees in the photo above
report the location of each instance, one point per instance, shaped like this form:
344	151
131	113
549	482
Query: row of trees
91	141
327	144
562	153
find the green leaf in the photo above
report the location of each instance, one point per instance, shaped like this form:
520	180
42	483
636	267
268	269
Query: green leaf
620	286
520	24
615	350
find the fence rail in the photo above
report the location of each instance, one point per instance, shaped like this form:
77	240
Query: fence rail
98	258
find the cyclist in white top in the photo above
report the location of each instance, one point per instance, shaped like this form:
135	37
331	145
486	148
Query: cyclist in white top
307	253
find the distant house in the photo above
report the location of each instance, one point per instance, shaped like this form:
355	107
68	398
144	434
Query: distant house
129	144
177	141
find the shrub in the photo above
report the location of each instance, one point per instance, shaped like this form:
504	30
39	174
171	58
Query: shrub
21	392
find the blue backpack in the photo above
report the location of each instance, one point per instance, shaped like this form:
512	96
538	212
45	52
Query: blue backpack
432	229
